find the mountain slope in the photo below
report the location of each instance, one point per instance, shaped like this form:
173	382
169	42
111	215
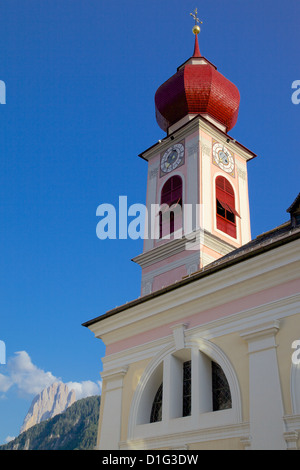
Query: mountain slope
74	429
48	403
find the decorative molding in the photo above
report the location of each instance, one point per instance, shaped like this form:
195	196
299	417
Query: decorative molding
191	260
179	440
292	425
219	327
178	245
178	335
246	442
198	123
153	172
114	378
243	279
291	439
206	150
145	351
171	248
192	150
261	337
242	172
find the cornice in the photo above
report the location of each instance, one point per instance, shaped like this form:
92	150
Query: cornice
203	294
173	247
242	267
177	440
198	122
170	248
254	318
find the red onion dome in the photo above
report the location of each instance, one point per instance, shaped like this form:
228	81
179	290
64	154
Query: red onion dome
197	88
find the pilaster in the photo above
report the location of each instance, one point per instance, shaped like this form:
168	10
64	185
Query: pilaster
110	429
265	397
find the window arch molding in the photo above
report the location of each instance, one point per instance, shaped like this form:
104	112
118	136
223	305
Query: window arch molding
151	380
164	181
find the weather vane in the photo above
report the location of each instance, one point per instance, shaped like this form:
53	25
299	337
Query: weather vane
196	28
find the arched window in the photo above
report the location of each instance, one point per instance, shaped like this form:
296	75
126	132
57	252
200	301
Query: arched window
225	203
219	390
181	388
171	196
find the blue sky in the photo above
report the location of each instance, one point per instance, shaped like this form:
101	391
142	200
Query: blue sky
80	82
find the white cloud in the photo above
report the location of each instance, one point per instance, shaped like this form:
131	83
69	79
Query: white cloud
85	389
5	383
30	379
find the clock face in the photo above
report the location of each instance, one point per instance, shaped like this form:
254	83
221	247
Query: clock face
223	158
172	158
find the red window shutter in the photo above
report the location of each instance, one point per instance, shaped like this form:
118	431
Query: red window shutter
226	217
172	191
232	209
171	195
228	207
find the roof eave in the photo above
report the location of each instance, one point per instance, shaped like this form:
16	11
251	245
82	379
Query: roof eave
207	271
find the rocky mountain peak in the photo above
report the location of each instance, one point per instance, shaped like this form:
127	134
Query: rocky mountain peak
48	403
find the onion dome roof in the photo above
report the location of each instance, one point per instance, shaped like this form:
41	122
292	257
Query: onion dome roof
197	88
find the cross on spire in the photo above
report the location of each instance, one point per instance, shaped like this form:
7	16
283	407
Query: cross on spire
196	31
196	28
194	15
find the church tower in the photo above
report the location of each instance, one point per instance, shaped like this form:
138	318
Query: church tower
197	188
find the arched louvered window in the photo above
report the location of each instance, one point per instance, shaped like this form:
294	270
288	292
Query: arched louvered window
225	202
171	195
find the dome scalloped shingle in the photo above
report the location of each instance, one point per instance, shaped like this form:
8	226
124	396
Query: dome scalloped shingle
197	88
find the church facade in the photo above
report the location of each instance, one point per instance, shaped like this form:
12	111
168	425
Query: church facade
206	357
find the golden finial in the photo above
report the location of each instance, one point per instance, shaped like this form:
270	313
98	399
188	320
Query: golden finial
196	28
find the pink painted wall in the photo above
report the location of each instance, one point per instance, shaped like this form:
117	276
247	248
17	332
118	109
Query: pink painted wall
169	277
201	318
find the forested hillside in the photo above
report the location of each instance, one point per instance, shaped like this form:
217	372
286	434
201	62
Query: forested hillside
75	429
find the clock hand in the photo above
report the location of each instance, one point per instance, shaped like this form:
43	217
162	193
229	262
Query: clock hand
223	157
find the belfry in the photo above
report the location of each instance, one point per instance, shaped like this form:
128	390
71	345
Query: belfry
197	174
202	358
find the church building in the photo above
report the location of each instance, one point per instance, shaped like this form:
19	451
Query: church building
207	356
